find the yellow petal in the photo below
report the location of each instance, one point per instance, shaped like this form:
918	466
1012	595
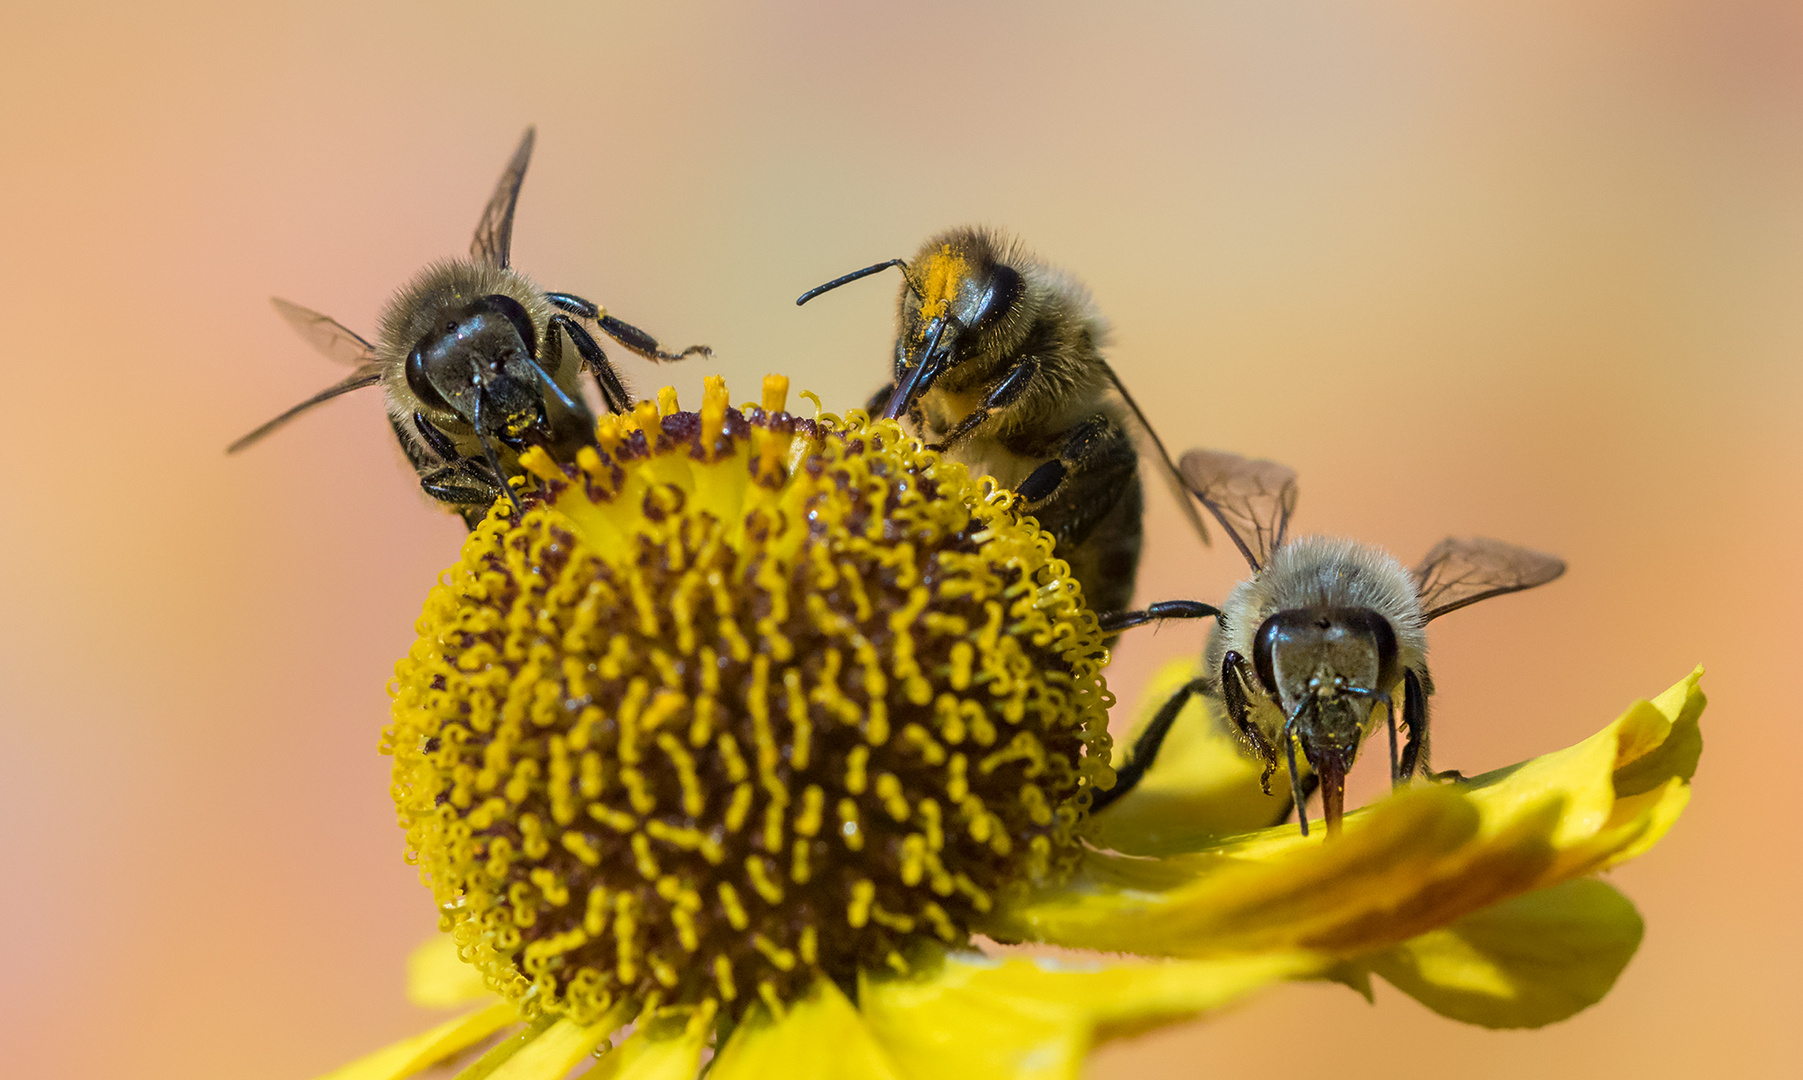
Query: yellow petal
820	1038
1037	1019
437	979
1525	962
674	1055
554	1051
421	1052
1406	865
1201	788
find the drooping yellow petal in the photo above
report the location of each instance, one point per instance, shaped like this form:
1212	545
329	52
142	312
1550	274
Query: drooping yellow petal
819	1038
1406	865
672	1055
1201	789
1522	963
421	1052
438	979
1036	1019
555	1051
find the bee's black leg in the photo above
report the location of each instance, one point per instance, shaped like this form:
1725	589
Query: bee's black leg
1414	716
1395	761
1088	497
1234	679
1114	622
433	436
575	305
1146	747
461	484
613	390
417	457
1006	391
1288	735
644	344
458	487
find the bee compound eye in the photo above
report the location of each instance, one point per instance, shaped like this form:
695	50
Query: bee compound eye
515	313
999	298
419	382
1264	648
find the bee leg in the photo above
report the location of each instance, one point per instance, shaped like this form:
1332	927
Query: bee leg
1414	717
1090	488
442	445
624	333
1234	678
575	305
1146	747
644	344
1004	393
1114	622
1395	762
433	437
450	484
468	492
613	391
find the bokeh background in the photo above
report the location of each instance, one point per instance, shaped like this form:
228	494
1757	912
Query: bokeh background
1531	272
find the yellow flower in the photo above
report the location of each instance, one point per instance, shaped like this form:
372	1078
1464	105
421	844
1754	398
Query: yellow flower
730	746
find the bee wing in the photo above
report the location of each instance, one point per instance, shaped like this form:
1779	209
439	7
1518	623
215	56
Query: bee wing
327	335
367	375
1460	572
1253	500
1171	475
494	233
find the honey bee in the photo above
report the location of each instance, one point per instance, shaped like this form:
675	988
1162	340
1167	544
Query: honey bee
998	365
1317	645
471	358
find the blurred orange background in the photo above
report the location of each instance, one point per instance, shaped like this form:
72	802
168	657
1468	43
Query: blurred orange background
1531	272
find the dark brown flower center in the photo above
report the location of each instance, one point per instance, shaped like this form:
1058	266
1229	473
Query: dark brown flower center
723	715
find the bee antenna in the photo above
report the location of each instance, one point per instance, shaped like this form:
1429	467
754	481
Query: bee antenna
551	385
488	451
915	383
864	273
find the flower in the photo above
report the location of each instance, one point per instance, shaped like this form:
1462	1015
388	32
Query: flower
737	738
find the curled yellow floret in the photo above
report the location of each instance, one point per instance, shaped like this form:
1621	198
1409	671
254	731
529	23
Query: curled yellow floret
742	702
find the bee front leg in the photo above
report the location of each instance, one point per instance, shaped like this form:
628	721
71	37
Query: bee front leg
465	485
466	494
623	332
1234	680
1414	717
1006	391
644	344
1088	497
613	391
1147	745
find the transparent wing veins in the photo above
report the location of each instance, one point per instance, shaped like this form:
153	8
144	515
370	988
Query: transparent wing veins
1252	499
1172	478
494	233
329	337
1459	572
367	375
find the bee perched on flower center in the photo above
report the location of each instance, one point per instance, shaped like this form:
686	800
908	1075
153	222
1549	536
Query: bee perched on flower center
741	702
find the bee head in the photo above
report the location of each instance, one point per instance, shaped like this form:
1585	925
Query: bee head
1327	668
478	362
960	290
